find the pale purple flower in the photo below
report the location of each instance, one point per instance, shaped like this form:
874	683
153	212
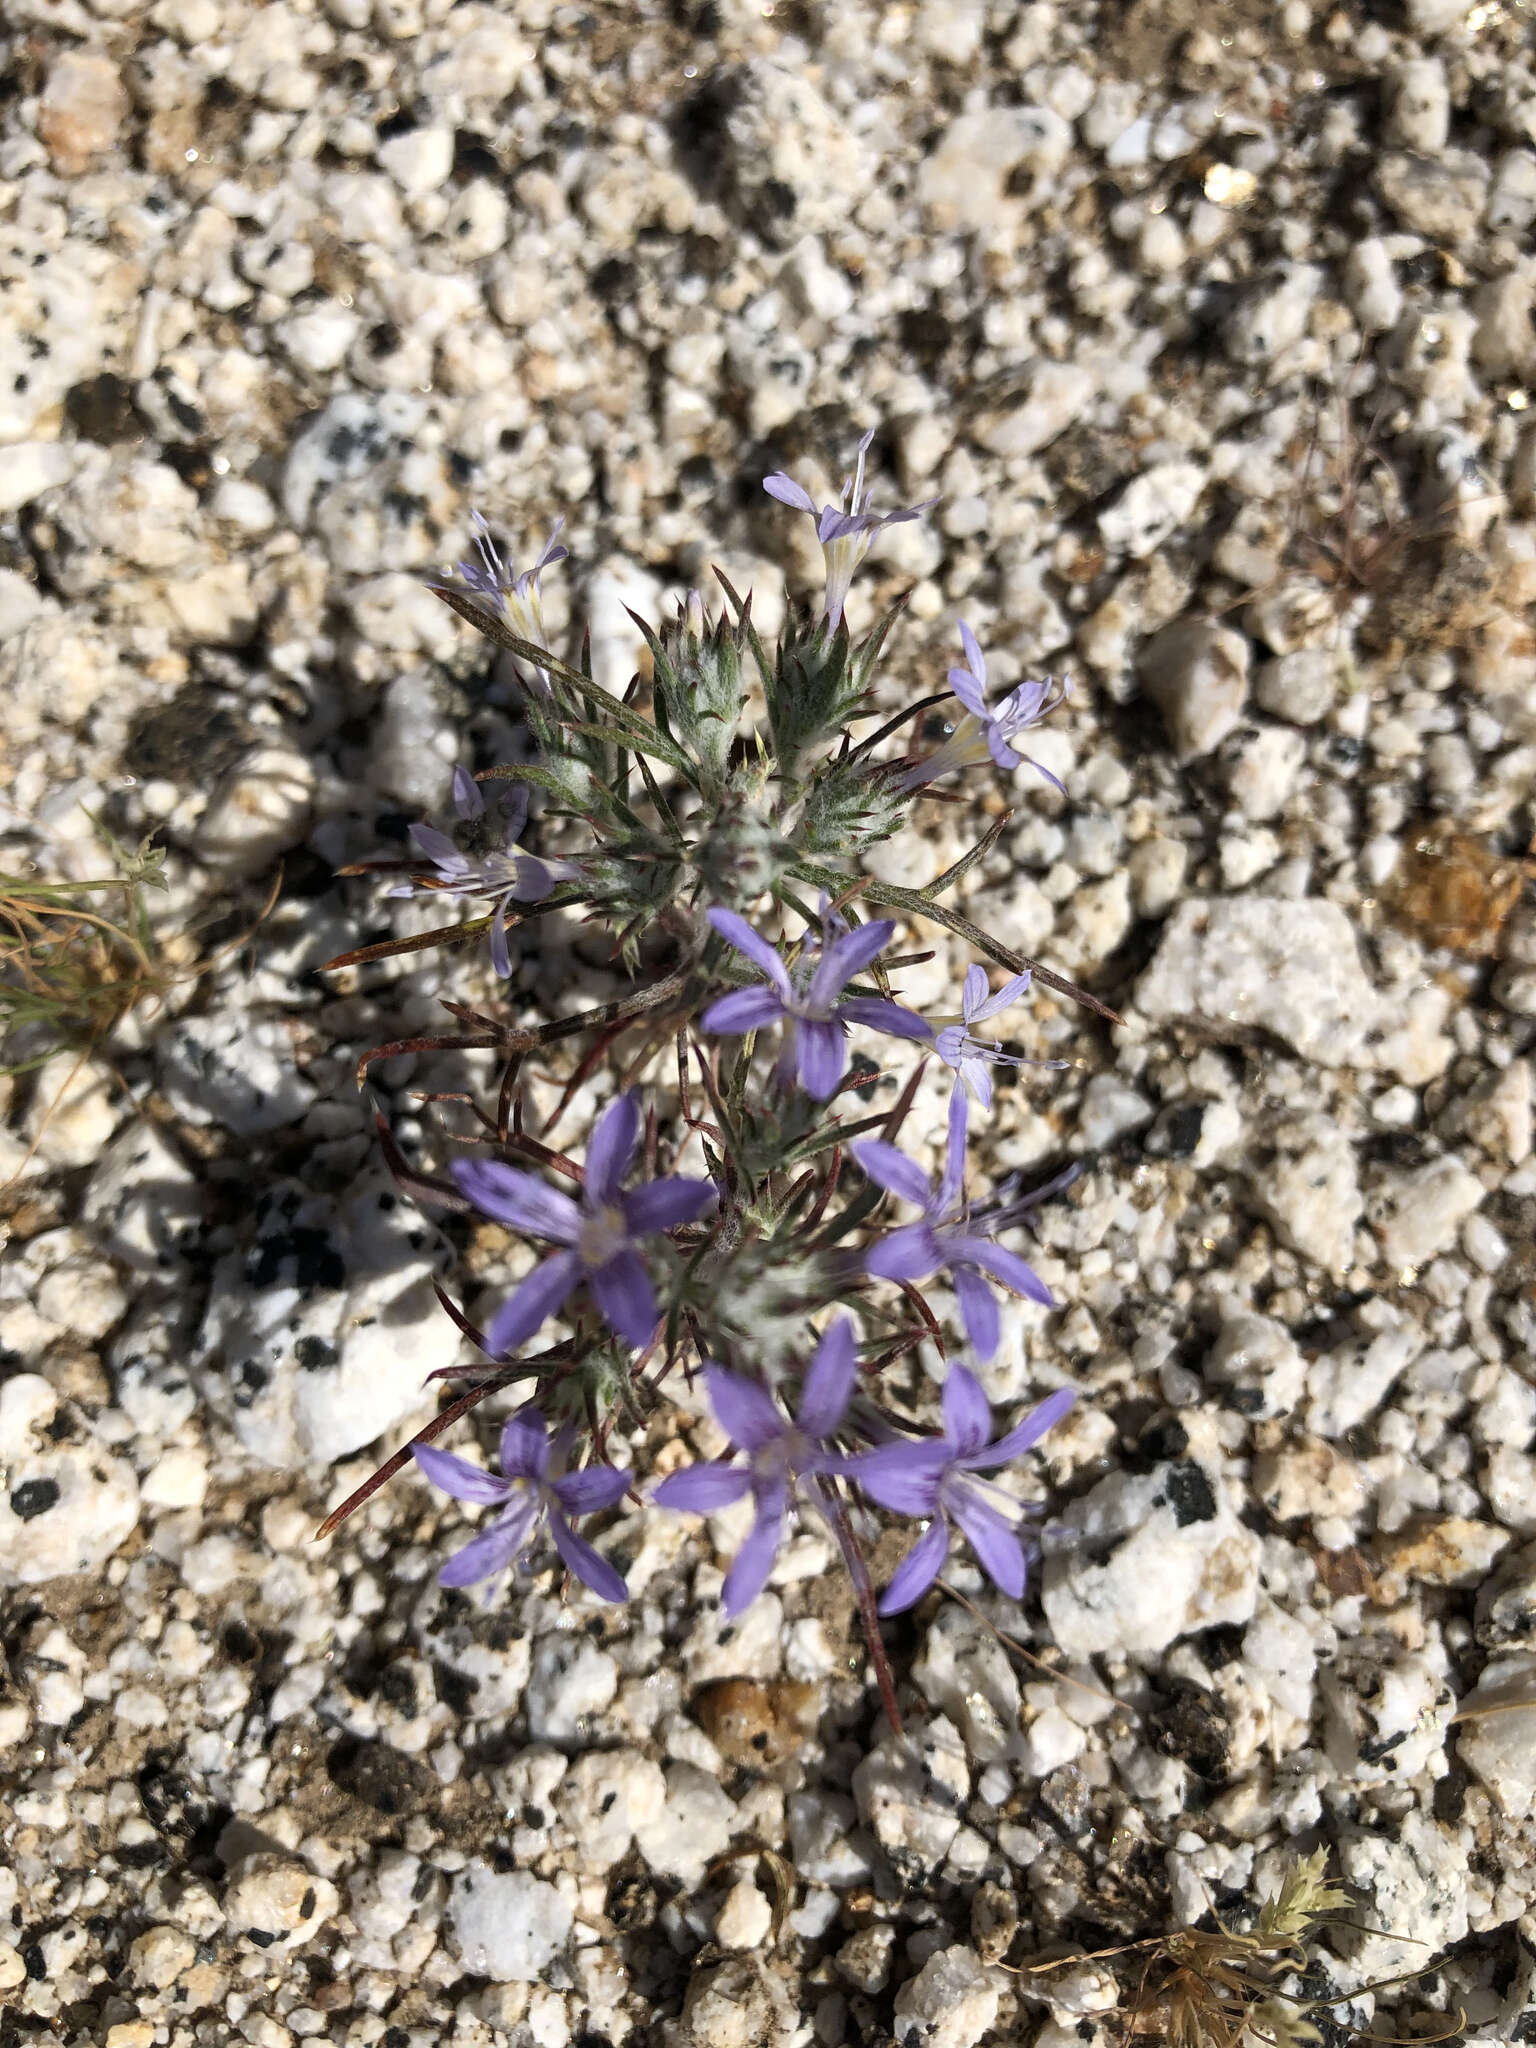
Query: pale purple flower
811	1001
971	1057
514	597
987	732
845	529
528	1497
489	863
935	1476
597	1235
947	1237
781	1456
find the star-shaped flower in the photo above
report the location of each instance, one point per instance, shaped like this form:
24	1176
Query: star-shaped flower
811	1003
845	529
509	595
781	1456
598	1234
529	1496
987	731
947	1237
936	1476
488	863
971	1057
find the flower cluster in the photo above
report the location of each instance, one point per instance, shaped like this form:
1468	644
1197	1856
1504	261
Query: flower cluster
777	1242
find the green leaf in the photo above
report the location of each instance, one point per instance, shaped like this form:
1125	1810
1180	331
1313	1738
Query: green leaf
743	610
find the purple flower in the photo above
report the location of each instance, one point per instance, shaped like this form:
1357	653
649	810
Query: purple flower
487	869
845	529
527	1496
947	1237
934	1477
781	1455
812	1002
987	732
513	597
598	1234
971	1057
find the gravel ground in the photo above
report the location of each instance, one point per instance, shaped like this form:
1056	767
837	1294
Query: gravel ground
1216	343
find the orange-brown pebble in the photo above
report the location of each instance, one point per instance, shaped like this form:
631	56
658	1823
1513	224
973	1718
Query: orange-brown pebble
750	1722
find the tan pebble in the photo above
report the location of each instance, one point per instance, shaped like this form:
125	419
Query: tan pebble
80	112
159	1957
1451	1552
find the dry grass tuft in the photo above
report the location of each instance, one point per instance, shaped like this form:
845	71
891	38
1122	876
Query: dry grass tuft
76	956
1226	1989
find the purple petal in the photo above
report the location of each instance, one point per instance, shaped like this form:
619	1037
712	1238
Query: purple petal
788	492
951	1044
1004	1266
907	512
704	1489
991	1537
954	1154
514	813
744	1410
493	1549
1004	755
828	1384
552	552
847	956
537	1298
1023	706
501	958
974	993
876	1013
1008	994
594	1572
738	933
911	1253
978	1312
754	1561
976	1078
968	690
892	1170
975	660
1055	780
468	799
664	1204
610	1149
823	1056
518	1199
745	1009
918	1569
625	1297
967	1417
903	1477
458	1477
589	1492
437	846
1026	1434
524	1448
535	879
836	524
